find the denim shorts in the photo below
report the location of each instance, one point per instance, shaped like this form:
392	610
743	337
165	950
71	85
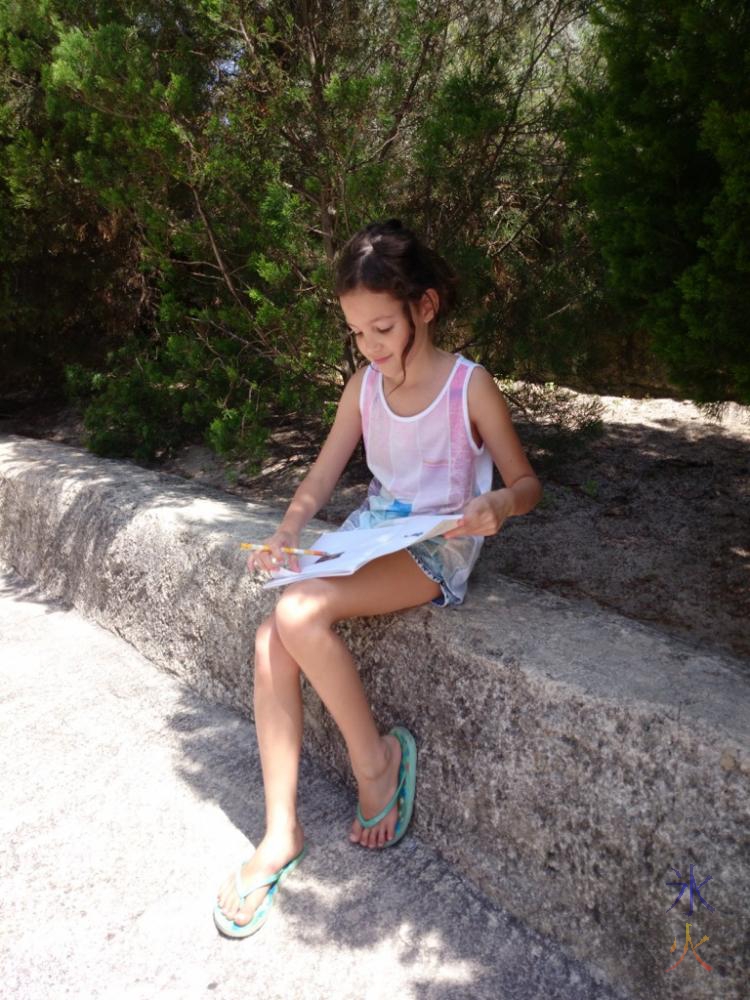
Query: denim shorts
447	561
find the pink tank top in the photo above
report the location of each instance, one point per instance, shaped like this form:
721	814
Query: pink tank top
428	461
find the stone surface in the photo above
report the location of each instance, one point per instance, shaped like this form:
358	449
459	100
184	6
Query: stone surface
568	757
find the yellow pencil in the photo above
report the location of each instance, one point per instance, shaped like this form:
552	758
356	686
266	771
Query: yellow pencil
284	548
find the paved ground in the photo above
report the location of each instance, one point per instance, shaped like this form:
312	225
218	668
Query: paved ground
125	801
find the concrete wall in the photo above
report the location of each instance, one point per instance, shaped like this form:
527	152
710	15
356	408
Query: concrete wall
568	757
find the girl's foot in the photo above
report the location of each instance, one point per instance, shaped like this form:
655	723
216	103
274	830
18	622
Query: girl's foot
374	795
271	853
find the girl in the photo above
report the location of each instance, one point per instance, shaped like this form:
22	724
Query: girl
433	423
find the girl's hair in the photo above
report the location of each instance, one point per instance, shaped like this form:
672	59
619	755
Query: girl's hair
388	257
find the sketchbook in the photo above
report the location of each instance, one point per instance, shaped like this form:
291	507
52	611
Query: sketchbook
349	550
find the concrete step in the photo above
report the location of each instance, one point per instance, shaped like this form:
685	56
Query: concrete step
570	758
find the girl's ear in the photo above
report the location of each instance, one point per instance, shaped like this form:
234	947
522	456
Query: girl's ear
430	304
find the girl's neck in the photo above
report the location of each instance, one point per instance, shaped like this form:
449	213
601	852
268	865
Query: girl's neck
423	364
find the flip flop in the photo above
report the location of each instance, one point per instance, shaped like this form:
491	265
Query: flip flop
229	927
404	794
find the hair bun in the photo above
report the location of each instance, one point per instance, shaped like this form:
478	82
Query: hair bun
389	226
375	229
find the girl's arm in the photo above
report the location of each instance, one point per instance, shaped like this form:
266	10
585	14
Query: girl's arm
489	413
316	488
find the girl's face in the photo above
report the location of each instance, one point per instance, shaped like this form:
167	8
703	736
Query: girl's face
381	329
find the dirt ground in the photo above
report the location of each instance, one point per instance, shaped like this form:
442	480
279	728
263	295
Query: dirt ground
650	518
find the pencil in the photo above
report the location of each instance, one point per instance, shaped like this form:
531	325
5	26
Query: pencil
284	548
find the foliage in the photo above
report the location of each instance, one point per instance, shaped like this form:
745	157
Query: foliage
664	135
176	179
67	276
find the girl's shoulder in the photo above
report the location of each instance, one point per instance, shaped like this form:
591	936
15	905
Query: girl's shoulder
358	378
469	362
483	390
355	380
362	372
354	388
473	366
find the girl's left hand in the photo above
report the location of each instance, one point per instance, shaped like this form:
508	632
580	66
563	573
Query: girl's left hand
484	515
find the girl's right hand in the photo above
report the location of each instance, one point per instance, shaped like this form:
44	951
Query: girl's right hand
275	559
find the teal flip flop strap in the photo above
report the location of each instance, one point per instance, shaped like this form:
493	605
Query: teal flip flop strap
367	823
276	877
257	885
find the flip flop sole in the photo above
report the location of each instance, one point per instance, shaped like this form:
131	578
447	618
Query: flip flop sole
408	766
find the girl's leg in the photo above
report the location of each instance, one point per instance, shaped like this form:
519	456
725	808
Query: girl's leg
299	635
278	722
305	615
277	702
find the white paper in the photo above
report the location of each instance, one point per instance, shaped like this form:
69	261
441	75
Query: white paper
358	546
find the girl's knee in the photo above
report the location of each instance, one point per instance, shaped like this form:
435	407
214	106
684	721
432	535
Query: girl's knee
301	609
